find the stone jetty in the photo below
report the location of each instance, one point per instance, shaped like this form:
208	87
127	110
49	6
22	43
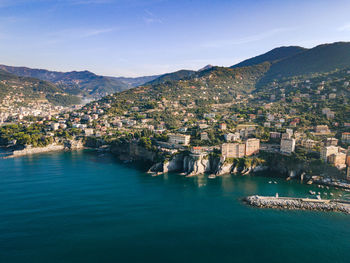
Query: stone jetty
298	203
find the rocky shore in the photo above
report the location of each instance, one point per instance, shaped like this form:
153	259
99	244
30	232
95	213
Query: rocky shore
67	145
298	203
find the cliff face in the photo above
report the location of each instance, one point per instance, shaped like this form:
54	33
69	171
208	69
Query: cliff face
196	164
133	151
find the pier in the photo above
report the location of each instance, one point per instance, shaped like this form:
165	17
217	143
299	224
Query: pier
291	203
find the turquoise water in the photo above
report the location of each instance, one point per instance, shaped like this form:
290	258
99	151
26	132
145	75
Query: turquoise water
84	207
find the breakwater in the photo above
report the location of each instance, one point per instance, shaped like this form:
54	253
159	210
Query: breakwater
298	203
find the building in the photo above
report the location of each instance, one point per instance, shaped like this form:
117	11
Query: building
331	141
322	129
286	136
327	151
179	139
204	136
233	150
89	131
337	159
252	146
287	145
308	144
345	137
231	137
55	126
222	126
275	135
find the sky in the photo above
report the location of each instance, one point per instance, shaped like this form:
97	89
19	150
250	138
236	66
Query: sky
146	37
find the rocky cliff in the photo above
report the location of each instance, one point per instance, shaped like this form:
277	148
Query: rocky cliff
196	164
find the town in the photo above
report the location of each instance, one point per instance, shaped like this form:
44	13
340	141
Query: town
308	124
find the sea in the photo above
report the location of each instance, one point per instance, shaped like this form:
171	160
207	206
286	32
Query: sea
85	206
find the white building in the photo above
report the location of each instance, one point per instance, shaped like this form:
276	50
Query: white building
179	139
287	145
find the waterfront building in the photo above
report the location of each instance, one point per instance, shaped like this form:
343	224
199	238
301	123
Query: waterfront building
179	139
337	159
233	150
327	151
287	145
252	146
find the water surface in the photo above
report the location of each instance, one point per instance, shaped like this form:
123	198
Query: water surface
85	207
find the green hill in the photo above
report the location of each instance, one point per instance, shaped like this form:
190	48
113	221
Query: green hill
34	89
271	56
174	76
320	59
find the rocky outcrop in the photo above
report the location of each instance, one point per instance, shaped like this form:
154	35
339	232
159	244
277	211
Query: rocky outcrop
196	164
73	144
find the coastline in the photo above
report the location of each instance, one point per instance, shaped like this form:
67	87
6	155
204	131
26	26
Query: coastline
69	145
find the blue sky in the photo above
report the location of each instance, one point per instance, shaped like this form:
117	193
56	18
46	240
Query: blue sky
144	37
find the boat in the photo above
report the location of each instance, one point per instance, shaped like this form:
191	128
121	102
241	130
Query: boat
212	176
312	192
270	182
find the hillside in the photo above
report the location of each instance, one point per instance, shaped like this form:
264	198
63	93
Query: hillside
271	56
216	84
12	86
320	59
178	75
83	83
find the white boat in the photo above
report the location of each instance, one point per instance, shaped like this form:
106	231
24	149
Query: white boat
212	176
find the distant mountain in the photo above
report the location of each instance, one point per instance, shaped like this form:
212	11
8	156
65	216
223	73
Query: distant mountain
137	81
31	89
274	55
83	83
223	84
206	67
320	59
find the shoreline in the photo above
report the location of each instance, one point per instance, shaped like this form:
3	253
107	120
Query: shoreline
292	203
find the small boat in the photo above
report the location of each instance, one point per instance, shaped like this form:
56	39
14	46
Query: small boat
212	176
312	192
270	182
275	182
